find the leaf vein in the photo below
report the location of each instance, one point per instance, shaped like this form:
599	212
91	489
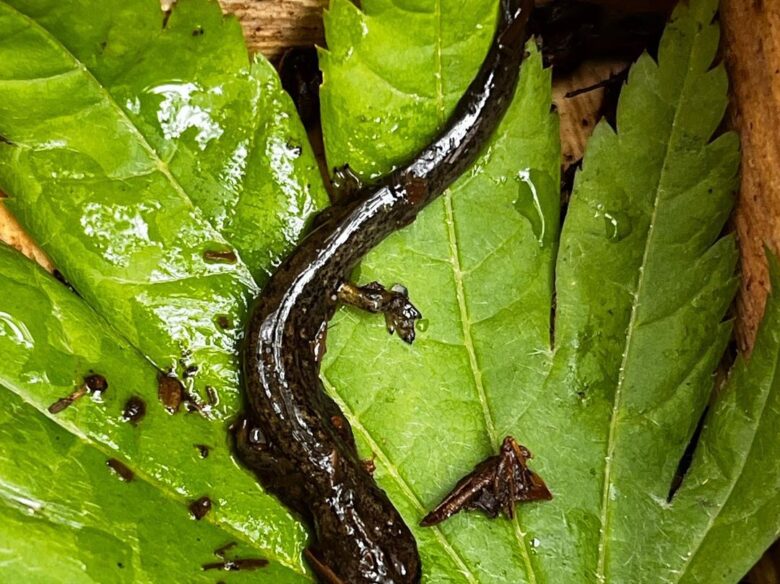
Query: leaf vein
632	327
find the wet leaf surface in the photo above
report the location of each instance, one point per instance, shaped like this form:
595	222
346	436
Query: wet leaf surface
138	151
478	263
50	339
62	522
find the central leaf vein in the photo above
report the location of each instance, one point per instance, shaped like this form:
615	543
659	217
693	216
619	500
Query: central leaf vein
631	329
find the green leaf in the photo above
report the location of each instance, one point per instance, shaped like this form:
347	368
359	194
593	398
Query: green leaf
221	122
133	149
429	412
643	283
50	340
727	511
69	522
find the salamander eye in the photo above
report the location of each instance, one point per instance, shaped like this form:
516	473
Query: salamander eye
256	437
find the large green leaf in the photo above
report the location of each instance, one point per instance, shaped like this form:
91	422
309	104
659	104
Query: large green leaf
643	283
478	264
131	148
65	518
221	123
50	340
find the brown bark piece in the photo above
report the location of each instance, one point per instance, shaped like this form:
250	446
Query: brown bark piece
579	114
13	234
752	50
270	26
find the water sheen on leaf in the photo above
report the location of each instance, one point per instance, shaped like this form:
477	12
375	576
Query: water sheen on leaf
639	322
67	522
138	144
477	263
128	193
50	341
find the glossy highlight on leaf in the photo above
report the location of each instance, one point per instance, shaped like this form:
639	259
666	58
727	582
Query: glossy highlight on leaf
135	148
62	522
640	318
50	339
217	117
643	282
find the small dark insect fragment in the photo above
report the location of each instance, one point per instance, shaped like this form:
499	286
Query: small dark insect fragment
65	402
198	31
60	404
227	256
495	485
199	508
96	384
224	322
221	551
134	410
170	392
237	564
121	469
203	450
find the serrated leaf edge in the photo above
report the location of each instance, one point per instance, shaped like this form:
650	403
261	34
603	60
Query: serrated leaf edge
636	302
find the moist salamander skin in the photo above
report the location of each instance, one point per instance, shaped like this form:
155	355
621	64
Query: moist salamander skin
292	435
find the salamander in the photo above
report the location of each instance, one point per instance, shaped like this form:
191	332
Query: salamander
292	435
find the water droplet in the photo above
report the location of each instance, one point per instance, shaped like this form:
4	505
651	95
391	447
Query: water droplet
133	105
535	194
617	225
16	330
422	325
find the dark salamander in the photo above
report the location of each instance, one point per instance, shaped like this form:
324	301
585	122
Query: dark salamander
293	436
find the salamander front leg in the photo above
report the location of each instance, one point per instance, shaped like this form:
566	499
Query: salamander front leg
400	314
